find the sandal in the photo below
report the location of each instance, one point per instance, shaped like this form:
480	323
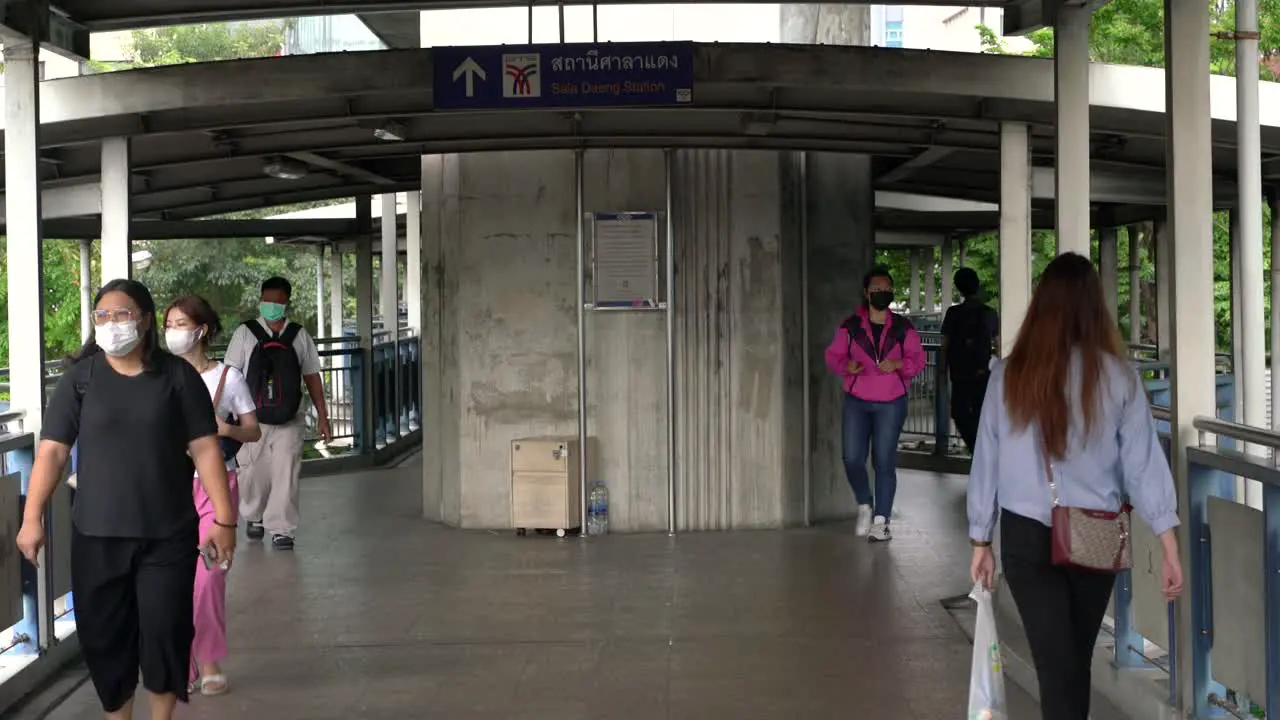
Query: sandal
213	685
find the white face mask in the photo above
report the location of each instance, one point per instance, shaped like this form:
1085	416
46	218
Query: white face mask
181	341
117	339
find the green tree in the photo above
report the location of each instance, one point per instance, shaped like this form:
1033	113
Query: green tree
206	42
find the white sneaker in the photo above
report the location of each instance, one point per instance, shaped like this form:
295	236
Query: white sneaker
863	526
880	530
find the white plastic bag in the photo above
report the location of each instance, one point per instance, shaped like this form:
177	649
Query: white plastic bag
986	678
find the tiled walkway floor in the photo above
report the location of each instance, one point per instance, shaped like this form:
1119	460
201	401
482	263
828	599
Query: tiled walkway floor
379	614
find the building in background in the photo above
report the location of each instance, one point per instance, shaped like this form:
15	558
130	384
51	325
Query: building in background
329	33
932	27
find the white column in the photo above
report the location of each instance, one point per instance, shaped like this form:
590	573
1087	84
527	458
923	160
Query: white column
1135	286
22	227
86	289
320	291
948	286
364	324
1162	246
930	280
337	289
1190	205
413	258
388	294
1109	268
1015	230
1252	371
913	301
117	253
1071	93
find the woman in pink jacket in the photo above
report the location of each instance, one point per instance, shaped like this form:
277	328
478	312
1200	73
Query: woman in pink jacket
876	354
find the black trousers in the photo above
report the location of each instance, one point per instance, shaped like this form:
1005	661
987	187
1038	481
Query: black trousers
966	406
1061	610
134	610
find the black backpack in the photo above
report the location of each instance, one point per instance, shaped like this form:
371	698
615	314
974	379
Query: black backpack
275	374
969	348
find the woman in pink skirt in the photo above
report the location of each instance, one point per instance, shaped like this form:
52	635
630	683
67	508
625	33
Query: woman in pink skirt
189	324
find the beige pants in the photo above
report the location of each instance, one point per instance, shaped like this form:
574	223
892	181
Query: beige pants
269	478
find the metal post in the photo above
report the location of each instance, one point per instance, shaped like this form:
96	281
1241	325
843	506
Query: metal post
320	290
671	344
948	272
86	289
913	301
1271	596
1109	267
595	24
805	350
1253	370
1135	286
578	181
561	23
1274	201
930	280
531	23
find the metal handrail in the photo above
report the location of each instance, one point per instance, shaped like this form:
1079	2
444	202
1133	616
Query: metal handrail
1236	431
1159	412
16	441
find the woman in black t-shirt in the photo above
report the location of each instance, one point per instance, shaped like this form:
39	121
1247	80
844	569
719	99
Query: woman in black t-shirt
142	417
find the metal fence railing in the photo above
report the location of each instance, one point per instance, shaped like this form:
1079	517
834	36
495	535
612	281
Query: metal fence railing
1233	581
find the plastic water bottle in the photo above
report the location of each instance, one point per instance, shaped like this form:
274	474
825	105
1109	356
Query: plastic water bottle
598	510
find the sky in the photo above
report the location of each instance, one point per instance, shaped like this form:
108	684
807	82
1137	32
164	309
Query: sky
756	23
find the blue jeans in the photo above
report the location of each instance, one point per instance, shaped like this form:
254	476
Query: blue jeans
875	427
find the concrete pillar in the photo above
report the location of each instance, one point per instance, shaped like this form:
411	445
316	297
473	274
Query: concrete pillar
1015	230
1274	200
364	315
413	258
839	208
1109	268
320	299
963	254
1163	250
1071	160
388	293
22	227
117	250
337	290
1135	285
913	286
930	280
948	271
1190	204
86	289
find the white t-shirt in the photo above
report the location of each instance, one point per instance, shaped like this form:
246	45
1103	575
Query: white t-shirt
243	342
236	397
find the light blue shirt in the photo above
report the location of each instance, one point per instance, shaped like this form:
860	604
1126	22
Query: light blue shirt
1121	456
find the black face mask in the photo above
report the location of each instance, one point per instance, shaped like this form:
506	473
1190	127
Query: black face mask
881	300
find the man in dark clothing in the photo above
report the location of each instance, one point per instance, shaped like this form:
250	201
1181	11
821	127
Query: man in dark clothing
969	333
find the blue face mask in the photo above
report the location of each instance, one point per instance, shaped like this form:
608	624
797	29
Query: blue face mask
271	312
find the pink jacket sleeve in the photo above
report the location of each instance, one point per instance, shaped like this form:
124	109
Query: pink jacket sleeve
913	357
838	352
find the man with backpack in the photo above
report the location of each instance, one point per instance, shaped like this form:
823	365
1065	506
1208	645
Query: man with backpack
278	359
969	333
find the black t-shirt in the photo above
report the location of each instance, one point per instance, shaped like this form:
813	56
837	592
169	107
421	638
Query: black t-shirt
877	329
970	329
133	472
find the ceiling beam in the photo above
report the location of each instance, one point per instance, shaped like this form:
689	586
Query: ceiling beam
907	169
91	228
342	168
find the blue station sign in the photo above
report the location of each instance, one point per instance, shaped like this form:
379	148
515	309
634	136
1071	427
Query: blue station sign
563	75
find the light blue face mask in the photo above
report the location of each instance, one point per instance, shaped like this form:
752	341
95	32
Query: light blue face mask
271	312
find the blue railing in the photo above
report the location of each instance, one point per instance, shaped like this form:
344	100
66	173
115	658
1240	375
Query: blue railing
1235	669
35	603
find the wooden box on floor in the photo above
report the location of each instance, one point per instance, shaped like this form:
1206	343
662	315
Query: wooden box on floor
545	489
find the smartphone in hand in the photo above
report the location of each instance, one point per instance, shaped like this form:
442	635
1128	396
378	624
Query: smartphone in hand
210	557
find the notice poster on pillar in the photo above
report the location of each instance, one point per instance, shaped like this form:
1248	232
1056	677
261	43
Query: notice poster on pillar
625	260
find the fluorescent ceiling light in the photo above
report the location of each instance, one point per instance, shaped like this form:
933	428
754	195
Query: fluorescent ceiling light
391	132
284	169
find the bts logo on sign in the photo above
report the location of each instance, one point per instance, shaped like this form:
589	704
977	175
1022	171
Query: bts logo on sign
520	78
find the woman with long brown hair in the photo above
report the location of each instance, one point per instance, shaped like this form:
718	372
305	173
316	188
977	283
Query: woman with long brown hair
1065	424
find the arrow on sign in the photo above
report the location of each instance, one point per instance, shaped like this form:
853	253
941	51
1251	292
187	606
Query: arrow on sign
470	69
